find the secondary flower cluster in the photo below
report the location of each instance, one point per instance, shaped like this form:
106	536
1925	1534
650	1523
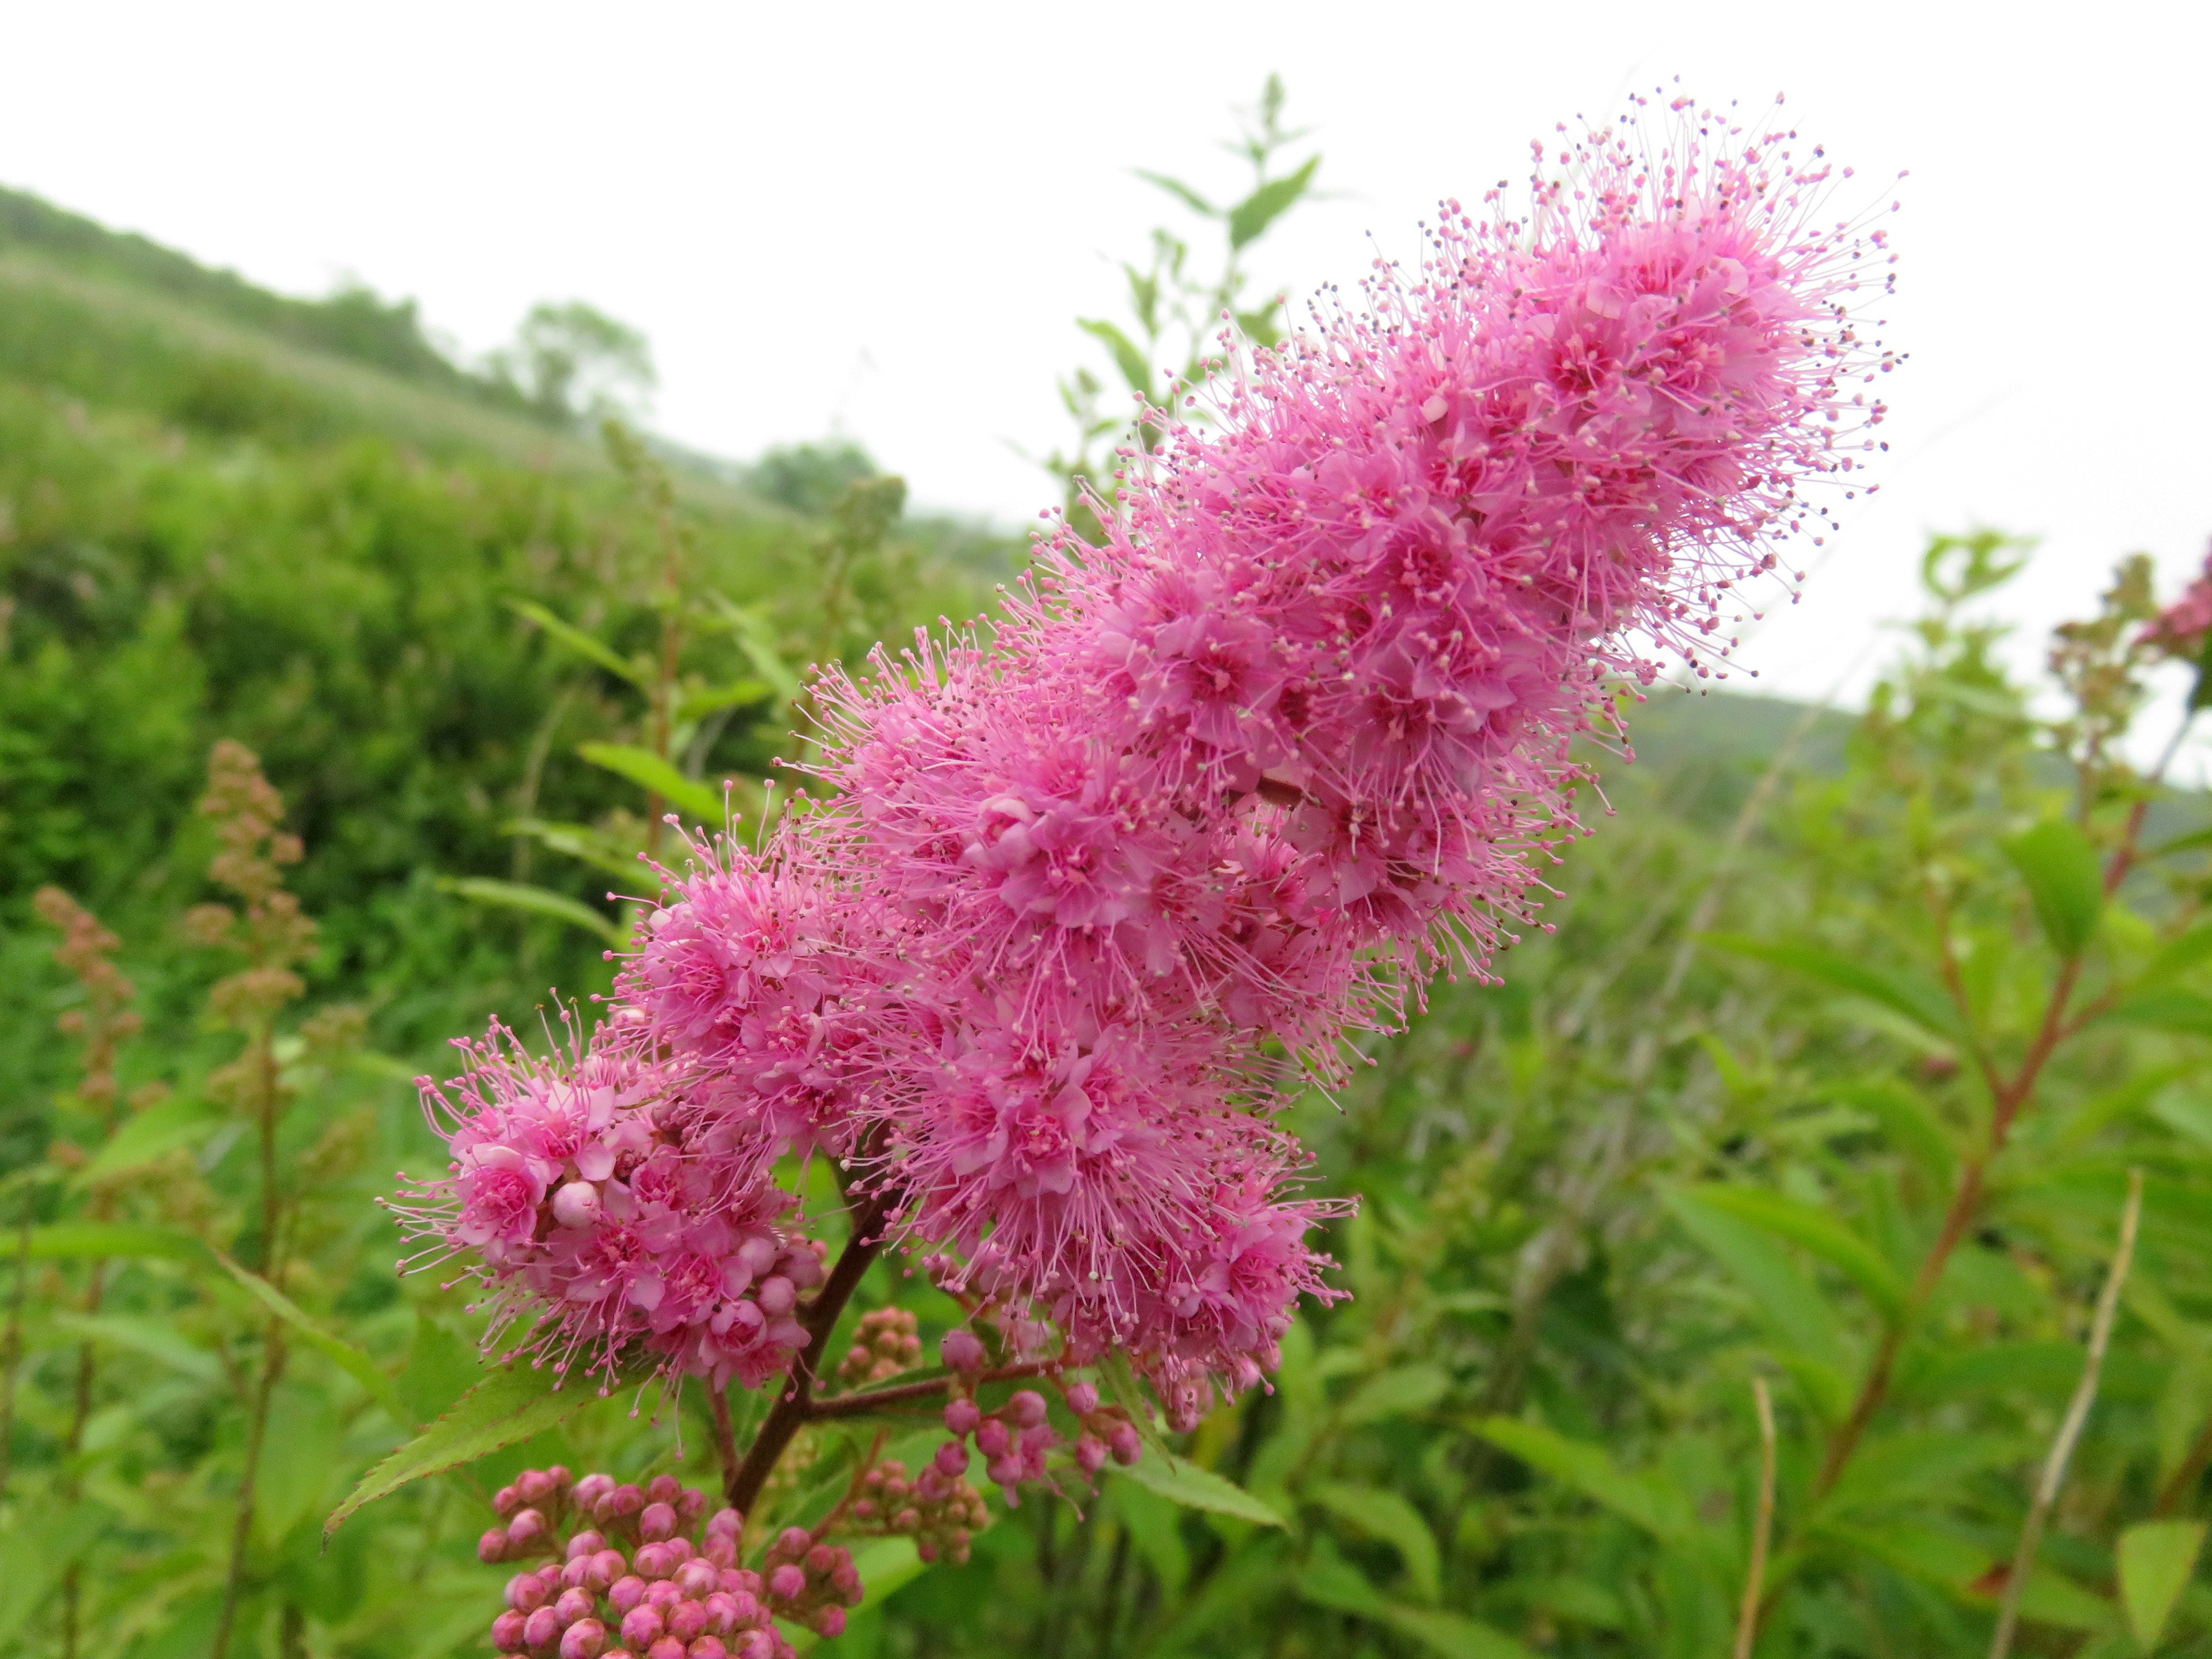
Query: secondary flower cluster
1081	902
666	1598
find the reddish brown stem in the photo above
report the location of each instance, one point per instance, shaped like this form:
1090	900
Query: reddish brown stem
876	1400
793	1407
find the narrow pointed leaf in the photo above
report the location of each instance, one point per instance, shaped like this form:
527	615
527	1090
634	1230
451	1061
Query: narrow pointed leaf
1386	1516
1394	1392
1787	1301
1818	1231
155	1339
512	1403
1656	1509
648	771
347	1358
2156	1559
1452	1636
1135	369
1195	1488
537	900
584	645
756	637
163	1128
1249	219
1182	193
120	1239
1920	1000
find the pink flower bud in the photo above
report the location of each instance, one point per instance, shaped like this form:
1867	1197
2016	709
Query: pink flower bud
793	1542
588	1490
607	1566
657	1521
686	1621
776	1295
585	1543
990	1438
846	1579
525	1534
961	1350
679	1552
626	1593
666	1648
574	1604
526	1591
707	1647
1127	1445
746	1608
951	1458
1090	1454
505	1501
698	1578
574	1570
1026	1408
830	1621
1081	1398
1006	1470
662	1489
641	1627
962	1415
690	1503
576	1204
560	1476
535	1486
541	1630
787	1582
619	1504
756	1644
661	1596
722	1612
725	1521
507	1631
585	1639
492	1546
721	1548
822	1558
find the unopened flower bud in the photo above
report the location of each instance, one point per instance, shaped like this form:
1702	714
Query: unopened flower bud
1090	1454
1081	1398
574	1604
990	1438
666	1648
541	1630
690	1504
961	1350
828	1621
662	1489
585	1639
507	1631
492	1546
725	1520
962	1415
696	1579
686	1620
588	1490
620	1503
951	1458
1126	1443
641	1627
706	1647
787	1582
559	1475
1005	1470
1027	1408
657	1521
662	1595
535	1486
585	1543
626	1593
607	1566
526	1533
776	1295
505	1501
526	1591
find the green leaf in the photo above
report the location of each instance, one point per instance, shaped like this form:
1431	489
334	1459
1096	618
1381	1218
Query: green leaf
1817	1230
1902	1470
1659	1509
2065	883
1788	1303
1922	1001
119	1239
300	1455
156	1339
695	800
1249	219
2184	1013
508	1407
1394	1393
1452	1635
1328	1580
2178	956
1386	1516
1175	187
756	637
581	643
537	900
440	1368
713	699
142	1138
1135	368
2156	1559
347	1358
1909	1123
2189	842
1125	1391
1194	1488
580	841
35	1550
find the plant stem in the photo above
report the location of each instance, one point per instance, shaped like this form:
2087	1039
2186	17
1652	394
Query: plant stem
725	1437
12	1349
2069	1429
241	1529
793	1407
1762	1531
874	1399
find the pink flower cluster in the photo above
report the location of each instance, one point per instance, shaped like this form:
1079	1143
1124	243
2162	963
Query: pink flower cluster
2180	630
666	1598
1081	904
607	1213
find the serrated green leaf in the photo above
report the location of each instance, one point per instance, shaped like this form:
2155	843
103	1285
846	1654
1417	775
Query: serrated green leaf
2065	883
537	900
145	1137
1394	1392
1195	1488
695	800
1386	1516
1125	1391
2156	1559
1920	1000
1249	219
583	644
1135	368
1657	1508
512	1403
347	1358
1816	1230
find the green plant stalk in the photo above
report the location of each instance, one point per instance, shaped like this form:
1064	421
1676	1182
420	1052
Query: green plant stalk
1762	1532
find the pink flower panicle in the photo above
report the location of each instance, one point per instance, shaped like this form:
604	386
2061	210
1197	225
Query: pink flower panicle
1088	898
2181	629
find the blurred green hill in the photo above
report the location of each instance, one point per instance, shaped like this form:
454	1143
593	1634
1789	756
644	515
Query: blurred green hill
229	513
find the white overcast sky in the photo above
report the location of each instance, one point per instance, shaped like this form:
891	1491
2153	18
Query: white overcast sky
880	219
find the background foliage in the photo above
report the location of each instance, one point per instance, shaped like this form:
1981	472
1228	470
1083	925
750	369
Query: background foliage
1831	1077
